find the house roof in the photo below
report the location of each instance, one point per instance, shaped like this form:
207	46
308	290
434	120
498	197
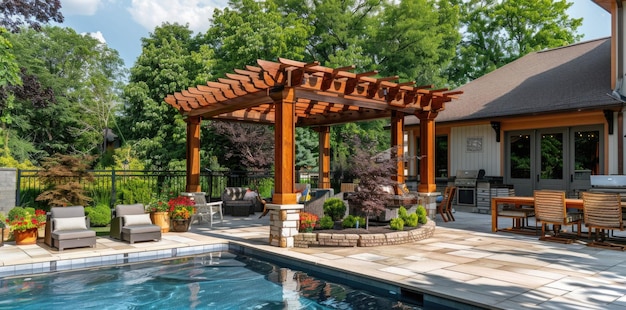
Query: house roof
322	95
568	78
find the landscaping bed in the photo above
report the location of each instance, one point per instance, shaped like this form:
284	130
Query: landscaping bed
359	237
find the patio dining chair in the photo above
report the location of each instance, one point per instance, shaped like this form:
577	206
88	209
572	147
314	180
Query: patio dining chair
550	209
603	213
445	206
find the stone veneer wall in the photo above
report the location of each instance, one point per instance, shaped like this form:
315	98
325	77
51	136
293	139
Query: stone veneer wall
284	222
8	181
305	240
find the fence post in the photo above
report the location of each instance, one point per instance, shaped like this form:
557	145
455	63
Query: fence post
18	186
113	193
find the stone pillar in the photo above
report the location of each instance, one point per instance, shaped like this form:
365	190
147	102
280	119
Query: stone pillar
284	222
8	188
429	201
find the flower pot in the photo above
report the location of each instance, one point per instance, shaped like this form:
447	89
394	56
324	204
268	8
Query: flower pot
180	225
41	231
28	236
161	219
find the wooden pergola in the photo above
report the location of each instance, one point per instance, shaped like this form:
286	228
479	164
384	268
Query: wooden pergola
290	93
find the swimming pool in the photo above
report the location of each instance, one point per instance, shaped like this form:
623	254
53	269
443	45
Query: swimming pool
220	280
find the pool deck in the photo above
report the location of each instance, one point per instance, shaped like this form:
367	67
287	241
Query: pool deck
463	261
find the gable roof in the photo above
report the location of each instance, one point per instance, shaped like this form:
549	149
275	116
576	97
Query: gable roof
568	78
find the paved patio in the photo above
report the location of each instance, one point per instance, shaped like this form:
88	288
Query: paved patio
464	262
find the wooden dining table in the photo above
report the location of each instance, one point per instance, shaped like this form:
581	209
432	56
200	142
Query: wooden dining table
519	201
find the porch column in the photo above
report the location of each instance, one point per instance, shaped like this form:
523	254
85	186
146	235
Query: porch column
427	145
397	142
324	149
284	209
193	154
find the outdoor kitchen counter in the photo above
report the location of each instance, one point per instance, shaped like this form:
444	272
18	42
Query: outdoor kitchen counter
519	201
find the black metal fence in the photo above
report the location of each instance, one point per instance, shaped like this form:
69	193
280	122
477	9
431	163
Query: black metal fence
113	187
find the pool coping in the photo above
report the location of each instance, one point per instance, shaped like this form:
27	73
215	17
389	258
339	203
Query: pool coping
420	296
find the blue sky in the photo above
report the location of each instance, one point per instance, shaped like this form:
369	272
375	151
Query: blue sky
122	23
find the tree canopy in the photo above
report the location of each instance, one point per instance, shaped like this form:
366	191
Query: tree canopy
59	90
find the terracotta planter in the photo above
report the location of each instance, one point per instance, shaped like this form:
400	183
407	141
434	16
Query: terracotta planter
41	231
161	219
180	225
23	237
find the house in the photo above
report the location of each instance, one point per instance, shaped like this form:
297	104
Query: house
548	120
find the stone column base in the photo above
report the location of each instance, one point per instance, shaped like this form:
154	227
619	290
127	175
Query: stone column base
429	201
284	222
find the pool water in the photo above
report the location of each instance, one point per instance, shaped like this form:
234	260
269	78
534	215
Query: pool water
215	281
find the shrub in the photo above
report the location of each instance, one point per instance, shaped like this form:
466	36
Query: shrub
134	190
397	224
99	216
335	208
410	220
327	222
351	221
402	213
422	215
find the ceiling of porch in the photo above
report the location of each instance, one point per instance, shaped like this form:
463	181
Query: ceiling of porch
323	95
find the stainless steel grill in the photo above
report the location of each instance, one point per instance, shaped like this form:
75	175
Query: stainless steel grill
609	184
465	182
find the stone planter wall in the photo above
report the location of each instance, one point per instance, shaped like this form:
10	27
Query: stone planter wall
305	240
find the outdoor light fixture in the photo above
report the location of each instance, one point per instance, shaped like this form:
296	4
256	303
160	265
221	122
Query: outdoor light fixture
496	128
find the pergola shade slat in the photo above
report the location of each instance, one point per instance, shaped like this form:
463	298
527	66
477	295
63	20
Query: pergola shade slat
321	94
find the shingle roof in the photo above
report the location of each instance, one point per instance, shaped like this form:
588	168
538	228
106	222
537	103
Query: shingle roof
574	77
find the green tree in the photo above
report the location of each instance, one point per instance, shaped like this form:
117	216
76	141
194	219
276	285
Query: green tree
249	30
171	60
307	148
499	32
72	90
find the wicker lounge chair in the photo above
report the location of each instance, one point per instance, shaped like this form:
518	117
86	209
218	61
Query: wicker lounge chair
70	228
131	223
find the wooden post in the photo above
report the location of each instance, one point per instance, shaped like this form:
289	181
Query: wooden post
193	154
427	146
324	149
397	142
284	152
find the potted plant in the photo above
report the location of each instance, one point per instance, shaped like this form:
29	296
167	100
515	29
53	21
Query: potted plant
24	223
181	210
159	214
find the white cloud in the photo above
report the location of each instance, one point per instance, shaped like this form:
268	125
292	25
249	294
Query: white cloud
79	7
196	13
96	35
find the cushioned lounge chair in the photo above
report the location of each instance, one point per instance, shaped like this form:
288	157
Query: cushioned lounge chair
131	223
70	228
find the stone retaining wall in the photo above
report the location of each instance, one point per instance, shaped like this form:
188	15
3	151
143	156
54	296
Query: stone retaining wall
305	240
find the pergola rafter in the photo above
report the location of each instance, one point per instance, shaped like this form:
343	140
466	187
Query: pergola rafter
324	95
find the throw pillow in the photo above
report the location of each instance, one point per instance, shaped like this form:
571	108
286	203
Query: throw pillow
137	219
69	223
